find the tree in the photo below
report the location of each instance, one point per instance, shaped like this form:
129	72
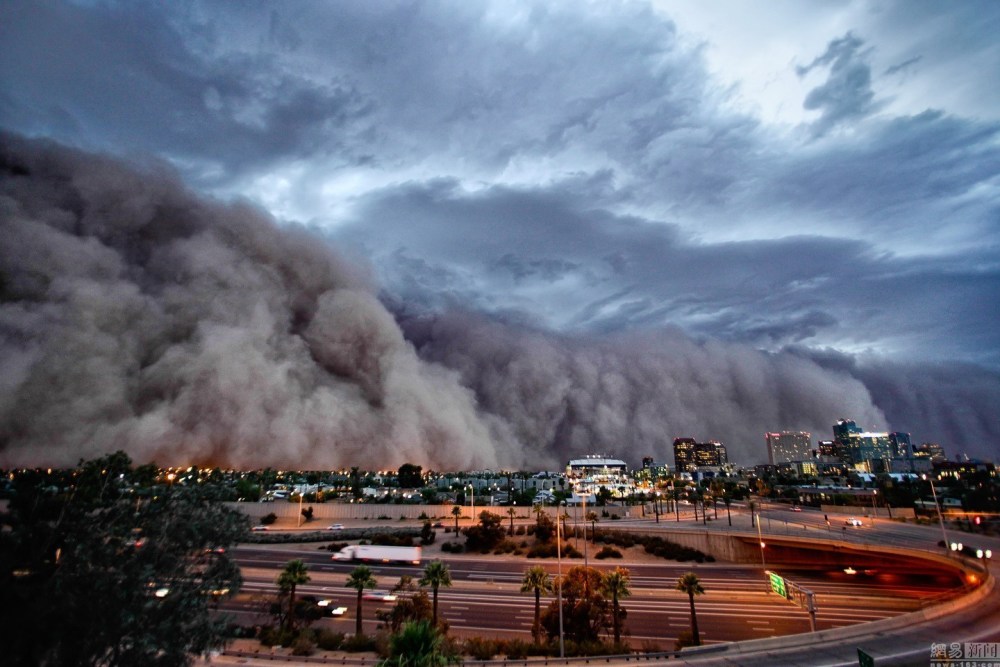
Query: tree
410	476
511	512
418	644
586	612
110	573
545	527
436	574
616	584
593	519
486	534
291	577
536	580
456	512
359	579
411	605
690	584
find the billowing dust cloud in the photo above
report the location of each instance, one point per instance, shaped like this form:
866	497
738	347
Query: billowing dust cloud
135	315
632	395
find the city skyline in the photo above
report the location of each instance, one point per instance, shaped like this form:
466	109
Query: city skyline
494	234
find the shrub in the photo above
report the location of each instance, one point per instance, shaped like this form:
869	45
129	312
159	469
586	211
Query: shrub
543	550
329	640
481	648
684	639
516	649
303	646
608	552
268	519
384	517
358	644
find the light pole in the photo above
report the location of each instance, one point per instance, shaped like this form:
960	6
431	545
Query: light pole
874	508
583	497
760	539
301	496
944	535
562	647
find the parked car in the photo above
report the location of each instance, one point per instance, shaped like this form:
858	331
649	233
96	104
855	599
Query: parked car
852	522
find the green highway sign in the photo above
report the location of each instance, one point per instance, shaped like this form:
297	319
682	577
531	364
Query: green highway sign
865	660
778	585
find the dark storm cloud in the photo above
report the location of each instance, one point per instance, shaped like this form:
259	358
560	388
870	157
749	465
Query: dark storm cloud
580	167
134	315
133	75
847	94
948	403
539	252
632	395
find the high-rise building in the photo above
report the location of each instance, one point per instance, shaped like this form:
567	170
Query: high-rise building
788	446
684	454
869	451
901	444
710	454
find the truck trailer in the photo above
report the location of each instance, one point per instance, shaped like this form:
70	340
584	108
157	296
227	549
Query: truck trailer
379	554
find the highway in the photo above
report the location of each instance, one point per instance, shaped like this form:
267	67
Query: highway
485	598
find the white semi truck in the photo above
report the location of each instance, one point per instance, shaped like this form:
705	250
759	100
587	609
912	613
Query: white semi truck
380	554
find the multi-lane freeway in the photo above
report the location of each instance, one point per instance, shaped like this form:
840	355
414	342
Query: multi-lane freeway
485	598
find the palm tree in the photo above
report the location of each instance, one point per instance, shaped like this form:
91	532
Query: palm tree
436	574
359	579
512	512
616	584
456	512
418	643
690	584
592	518
292	576
538	580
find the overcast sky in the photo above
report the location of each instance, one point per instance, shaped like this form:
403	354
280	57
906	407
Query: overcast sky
816	177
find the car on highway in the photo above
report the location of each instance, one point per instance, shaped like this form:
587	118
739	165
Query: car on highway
852	522
380	596
256	528
335	526
328	607
796	508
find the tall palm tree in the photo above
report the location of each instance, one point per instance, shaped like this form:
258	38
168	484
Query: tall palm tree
456	512
616	584
359	579
292	576
512	512
592	518
436	574
690	584
538	580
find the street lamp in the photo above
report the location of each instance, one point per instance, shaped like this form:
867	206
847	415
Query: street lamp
944	535
562	648
760	539
301	495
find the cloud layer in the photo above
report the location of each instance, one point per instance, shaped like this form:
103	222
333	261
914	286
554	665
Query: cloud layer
817	183
136	316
